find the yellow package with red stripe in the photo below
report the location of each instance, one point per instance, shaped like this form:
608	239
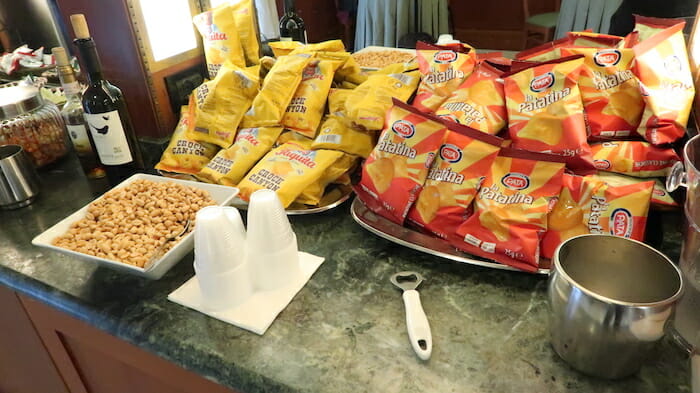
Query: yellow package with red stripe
667	85
288	170
217	106
545	113
443	69
367	105
660	197
395	171
634	158
220	37
277	91
305	110
510	210
230	165
610	92
479	102
313	193
454	178
184	155
336	134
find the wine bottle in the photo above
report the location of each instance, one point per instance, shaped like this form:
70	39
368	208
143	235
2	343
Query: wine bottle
291	24
72	113
105	112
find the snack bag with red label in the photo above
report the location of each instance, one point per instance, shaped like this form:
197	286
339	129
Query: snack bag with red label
454	178
647	26
545	113
666	81
545	52
593	40
443	69
510	210
288	170
634	158
621	210
610	92
660	197
395	171
479	102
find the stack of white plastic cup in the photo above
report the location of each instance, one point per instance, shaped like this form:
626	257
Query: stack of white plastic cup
272	255
219	261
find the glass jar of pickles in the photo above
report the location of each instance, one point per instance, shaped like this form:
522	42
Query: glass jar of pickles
29	121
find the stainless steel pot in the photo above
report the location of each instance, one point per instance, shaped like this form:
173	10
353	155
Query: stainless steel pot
610	298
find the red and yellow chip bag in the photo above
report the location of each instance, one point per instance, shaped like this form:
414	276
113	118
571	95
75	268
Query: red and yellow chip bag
395	171
593	40
545	113
510	210
610	92
443	69
660	197
647	26
634	158
454	178
664	75
479	102
621	210
545	52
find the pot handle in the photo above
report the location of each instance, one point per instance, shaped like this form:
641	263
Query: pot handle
677	178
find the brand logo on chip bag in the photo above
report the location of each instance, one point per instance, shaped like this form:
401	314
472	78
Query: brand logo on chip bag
515	181
602	164
445	56
607	58
403	128
621	223
658	192
673	64
450	153
542	82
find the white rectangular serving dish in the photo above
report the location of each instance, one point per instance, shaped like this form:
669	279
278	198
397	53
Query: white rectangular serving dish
223	196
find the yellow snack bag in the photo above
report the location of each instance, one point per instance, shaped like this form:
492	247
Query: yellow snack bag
184	155
283	48
244	15
336	134
368	103
230	165
325	46
277	91
293	136
313	193
304	112
287	170
336	100
221	38
443	69
217	106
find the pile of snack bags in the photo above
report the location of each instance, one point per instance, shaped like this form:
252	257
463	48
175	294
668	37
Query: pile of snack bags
504	159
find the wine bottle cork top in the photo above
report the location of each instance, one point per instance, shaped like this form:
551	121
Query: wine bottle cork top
61	56
80	27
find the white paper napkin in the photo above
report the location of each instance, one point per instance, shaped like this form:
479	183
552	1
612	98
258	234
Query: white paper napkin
260	310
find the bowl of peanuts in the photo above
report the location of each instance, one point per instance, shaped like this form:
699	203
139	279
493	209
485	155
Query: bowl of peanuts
142	226
373	58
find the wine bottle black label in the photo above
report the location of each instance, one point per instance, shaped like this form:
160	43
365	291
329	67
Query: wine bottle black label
109	137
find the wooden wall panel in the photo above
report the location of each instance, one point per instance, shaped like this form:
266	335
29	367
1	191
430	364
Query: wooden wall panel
25	365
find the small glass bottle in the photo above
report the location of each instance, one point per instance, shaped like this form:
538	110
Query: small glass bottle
72	113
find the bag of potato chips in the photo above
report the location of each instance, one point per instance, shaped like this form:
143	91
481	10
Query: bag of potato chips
304	112
647	26
545	52
633	158
217	106
313	193
664	75
277	91
589	39
230	165
660	197
184	155
293	136
336	134
244	15
220	37
325	46
454	179
288	170
443	69
395	171
479	102
336	100
510	210
545	113
367	105
283	48
609	90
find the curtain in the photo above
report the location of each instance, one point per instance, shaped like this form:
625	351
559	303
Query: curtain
578	15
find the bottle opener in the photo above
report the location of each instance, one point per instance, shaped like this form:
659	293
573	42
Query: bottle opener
416	321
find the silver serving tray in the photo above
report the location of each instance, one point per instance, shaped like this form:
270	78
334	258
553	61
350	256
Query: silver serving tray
410	238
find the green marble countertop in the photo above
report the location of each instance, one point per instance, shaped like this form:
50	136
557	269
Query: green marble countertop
345	330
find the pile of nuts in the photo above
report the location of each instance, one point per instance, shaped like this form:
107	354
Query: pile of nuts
382	58
136	223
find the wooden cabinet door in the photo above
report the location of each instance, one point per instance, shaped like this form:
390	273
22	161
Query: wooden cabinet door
25	365
93	361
